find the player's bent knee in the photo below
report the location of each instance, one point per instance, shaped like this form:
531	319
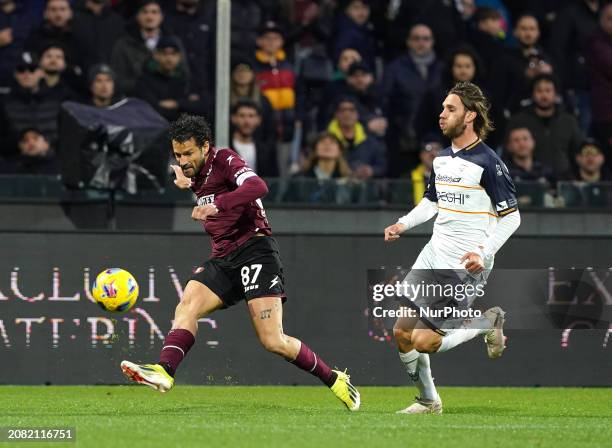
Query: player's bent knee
402	335
423	343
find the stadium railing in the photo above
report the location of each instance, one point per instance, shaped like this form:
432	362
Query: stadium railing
397	193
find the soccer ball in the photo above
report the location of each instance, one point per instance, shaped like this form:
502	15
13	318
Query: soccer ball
115	289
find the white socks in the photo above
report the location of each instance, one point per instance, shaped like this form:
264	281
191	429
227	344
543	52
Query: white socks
427	389
455	337
418	368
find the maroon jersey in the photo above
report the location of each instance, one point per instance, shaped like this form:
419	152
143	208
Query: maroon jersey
228	182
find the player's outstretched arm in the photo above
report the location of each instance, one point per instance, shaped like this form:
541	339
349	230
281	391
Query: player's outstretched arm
423	212
181	181
251	189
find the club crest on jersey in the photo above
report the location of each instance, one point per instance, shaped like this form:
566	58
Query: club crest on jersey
208	199
501	206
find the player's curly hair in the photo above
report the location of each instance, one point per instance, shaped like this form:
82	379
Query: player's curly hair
475	101
191	126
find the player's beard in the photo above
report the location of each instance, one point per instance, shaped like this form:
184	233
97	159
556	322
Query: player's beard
455	131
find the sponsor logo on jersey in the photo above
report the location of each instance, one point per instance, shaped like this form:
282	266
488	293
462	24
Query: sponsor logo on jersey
447	179
452	198
208	199
498	169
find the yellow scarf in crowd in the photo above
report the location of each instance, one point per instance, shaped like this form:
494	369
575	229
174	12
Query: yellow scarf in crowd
360	133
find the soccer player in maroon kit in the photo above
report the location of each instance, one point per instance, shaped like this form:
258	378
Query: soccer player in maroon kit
245	263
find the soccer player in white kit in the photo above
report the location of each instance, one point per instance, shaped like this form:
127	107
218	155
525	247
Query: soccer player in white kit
474	198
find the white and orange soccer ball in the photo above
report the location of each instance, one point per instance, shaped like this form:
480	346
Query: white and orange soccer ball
115	290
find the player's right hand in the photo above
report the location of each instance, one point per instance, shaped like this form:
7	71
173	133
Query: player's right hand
181	180
393	232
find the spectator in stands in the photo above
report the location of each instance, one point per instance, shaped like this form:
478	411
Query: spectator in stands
570	32
326	160
28	105
56	29
430	148
405	82
511	76
276	79
440	16
462	64
165	83
365	153
359	84
247	18
246	141
102	86
95	29
16	21
590	162
53	65
36	156
136	46
354	30
599	56
193	22
556	132
487	35
520	161
243	86
311	23
347	57
337	86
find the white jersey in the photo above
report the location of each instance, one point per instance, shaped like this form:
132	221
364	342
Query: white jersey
472	188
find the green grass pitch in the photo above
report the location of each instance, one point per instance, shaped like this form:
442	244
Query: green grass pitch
240	416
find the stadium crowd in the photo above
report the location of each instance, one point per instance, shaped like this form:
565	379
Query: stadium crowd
322	88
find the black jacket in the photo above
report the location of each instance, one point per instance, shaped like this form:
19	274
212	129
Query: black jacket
197	32
47	34
570	34
265	152
94	36
23	109
154	86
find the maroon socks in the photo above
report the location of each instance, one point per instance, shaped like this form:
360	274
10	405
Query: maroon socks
176	345
309	361
179	341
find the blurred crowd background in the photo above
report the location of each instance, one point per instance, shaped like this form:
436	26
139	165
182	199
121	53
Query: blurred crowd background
322	89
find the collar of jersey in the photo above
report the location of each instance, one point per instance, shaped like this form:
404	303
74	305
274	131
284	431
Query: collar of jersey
466	148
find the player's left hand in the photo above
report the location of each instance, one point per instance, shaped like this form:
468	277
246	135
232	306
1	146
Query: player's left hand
474	264
202	212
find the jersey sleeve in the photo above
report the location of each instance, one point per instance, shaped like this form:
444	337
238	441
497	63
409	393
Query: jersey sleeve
235	167
430	191
498	184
